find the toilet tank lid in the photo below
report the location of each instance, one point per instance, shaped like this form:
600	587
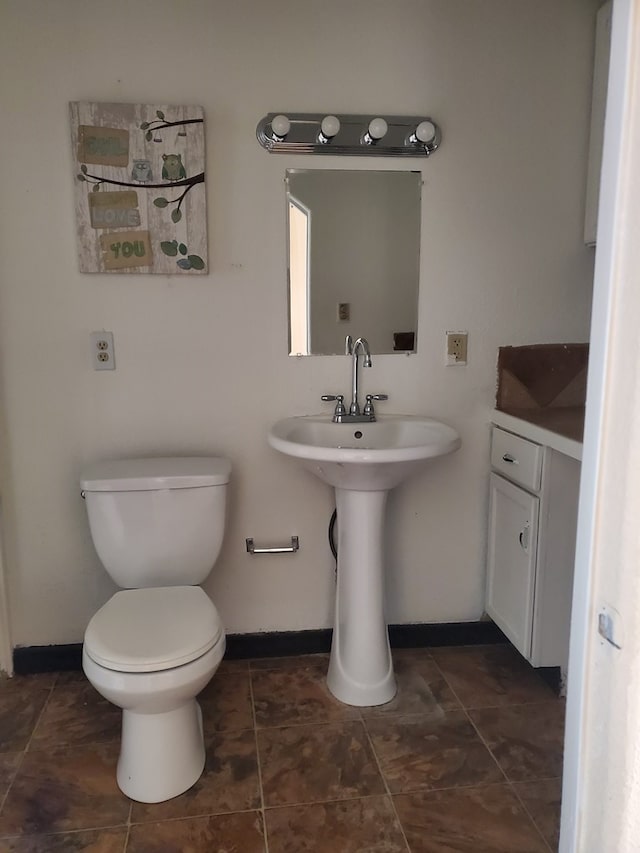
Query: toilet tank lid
147	474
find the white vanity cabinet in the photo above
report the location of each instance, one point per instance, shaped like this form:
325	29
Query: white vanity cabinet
531	545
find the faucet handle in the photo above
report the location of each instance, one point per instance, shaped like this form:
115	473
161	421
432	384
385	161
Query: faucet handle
339	409
368	409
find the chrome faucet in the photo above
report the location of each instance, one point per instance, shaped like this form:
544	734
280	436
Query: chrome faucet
355	414
362	345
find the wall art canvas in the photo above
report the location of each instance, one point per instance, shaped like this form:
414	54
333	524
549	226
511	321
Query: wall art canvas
139	175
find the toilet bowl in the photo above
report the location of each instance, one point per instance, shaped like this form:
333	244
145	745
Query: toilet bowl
151	649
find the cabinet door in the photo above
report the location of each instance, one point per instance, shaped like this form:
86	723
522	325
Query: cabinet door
511	563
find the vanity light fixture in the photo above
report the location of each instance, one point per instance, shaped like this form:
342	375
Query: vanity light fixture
377	136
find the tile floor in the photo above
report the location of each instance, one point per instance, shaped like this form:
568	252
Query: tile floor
466	759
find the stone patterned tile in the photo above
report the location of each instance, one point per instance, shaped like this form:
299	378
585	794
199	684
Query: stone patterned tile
351	826
297	695
322	784
229	833
468	820
76	714
229	783
39	680
228	665
20	706
305	764
94	841
417	656
289	663
226	703
487	676
542	800
71	676
9	763
428	752
422	688
65	789
526	740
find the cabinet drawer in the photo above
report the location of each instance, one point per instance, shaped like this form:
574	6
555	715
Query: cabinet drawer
516	458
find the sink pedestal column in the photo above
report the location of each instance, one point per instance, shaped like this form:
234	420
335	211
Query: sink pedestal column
360	669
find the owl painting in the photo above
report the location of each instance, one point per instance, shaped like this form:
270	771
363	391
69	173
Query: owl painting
141	171
172	167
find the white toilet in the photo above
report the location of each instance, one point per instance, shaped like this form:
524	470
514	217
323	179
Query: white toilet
157	525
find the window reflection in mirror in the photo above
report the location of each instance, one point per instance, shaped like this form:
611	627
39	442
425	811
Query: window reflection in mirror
354	259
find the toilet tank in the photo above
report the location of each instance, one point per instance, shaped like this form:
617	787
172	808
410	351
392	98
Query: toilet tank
157	521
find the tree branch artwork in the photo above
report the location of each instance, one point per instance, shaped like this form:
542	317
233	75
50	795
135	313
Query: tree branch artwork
152	126
111	145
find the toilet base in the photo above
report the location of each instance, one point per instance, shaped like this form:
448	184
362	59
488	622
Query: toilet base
162	751
161	755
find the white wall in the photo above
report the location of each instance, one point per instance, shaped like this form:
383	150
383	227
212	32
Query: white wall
202	362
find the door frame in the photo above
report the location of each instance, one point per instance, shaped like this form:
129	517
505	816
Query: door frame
602	741
6	650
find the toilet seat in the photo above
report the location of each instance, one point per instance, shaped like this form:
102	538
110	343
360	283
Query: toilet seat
153	629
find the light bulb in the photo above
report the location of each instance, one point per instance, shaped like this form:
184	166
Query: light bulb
280	125
330	126
425	132
377	128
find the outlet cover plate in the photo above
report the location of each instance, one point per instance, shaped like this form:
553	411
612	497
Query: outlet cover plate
457	348
102	353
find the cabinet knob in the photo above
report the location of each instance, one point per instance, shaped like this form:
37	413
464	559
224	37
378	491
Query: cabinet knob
524	538
507	457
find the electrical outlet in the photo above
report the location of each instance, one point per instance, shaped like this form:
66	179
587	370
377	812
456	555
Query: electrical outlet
457	348
344	311
102	353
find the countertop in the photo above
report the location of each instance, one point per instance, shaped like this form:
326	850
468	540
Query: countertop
559	428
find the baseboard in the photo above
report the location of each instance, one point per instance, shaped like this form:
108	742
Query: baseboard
420	635
552	675
28	660
275	644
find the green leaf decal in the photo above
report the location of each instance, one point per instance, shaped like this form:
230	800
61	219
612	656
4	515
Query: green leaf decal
184	264
81	177
96	188
160	114
144	125
182	249
160	201
176	215
169	248
196	262
148	136
83	169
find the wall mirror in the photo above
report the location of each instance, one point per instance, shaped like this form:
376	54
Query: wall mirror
353	259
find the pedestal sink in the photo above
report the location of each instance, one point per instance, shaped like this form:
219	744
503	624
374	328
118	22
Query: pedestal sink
362	461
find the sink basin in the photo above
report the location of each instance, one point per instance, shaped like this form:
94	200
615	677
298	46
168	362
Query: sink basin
363	456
